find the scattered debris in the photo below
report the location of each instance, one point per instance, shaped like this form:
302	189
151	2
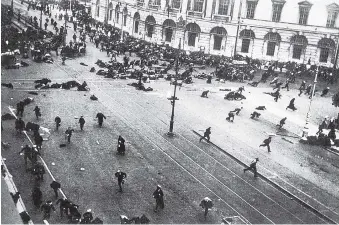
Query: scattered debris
83	64
5	145
33	93
62	145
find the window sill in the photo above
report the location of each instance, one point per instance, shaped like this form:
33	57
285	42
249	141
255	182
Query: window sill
195	14
221	18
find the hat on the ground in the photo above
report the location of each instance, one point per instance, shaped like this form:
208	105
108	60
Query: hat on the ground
89	210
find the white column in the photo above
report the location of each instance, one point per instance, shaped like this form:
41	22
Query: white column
184	6
209	8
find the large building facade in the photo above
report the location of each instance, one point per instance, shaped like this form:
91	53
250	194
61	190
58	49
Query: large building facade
284	30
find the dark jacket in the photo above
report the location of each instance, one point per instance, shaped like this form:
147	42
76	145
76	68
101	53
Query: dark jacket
120	176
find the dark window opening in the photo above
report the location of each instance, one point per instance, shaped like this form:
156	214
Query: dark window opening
270	48
297	50
217	42
245	45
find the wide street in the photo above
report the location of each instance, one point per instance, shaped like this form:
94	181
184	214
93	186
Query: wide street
187	170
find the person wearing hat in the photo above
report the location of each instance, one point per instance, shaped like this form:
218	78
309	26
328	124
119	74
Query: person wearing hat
69	133
253	166
82	122
57	121
206	204
55	186
206	135
39	171
101	118
267	143
88	217
325	91
282	122
37	112
159	198
46	208
121	176
230	116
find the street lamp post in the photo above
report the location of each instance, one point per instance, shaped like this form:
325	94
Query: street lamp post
238	27
173	98
41	15
306	128
122	25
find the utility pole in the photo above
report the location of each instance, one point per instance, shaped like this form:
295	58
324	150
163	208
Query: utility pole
41	14
306	128
122	25
173	98
336	56
238	27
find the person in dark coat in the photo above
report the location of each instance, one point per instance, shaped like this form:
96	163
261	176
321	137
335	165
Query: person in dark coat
121	176
55	186
39	171
121	145
38	141
101	118
253	167
206	135
282	122
65	204
331	135
57	122
82	122
302	87
88	217
19	125
46	208
267	143
325	91
37	112
20	107
230	117
159	198
291	105
206	204
255	114
37	196
69	133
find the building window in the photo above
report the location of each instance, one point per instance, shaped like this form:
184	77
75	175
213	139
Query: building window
303	11
176	4
168	34
277	9
156	2
150	29
198	5
297	50
251	5
223	7
331	18
136	26
217	42
140	2
270	48
324	52
245	45
191	38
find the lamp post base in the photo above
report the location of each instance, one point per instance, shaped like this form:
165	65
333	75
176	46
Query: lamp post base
170	134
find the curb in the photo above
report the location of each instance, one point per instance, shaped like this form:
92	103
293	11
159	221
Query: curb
12	189
303	203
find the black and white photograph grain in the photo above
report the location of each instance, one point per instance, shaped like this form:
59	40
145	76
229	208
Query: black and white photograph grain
169	112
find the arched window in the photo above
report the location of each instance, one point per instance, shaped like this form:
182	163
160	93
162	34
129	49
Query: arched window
117	9
110	11
168	27
218	34
246	36
299	43
325	45
136	20
149	25
193	31
273	39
